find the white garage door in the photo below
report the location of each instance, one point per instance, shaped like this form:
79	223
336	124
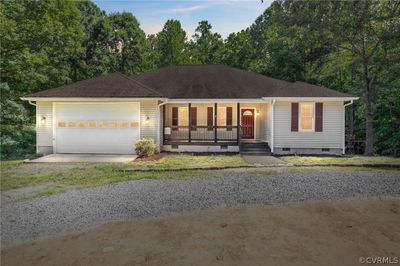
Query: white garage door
97	127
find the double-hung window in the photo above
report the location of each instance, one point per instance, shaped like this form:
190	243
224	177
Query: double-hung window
306	121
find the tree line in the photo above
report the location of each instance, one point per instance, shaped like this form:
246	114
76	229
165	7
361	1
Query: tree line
349	46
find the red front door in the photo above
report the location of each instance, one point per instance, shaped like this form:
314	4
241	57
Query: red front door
247	123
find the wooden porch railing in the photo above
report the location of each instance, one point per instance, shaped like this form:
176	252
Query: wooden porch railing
202	134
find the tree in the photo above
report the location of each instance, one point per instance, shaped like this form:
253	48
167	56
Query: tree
41	48
17	136
41	44
361	32
171	44
128	44
97	35
238	50
206	47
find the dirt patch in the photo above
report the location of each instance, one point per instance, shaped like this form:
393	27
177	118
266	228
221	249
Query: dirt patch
15	194
316	233
154	157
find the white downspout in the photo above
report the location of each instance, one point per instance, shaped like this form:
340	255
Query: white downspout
272	125
344	125
36	126
158	125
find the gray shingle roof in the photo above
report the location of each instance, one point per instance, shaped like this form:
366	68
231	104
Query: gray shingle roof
190	82
209	81
111	85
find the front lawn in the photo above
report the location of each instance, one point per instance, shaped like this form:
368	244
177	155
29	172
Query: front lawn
184	161
353	160
53	178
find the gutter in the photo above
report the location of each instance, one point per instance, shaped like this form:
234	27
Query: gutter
91	99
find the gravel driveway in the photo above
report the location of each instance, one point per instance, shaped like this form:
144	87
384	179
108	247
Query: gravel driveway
80	209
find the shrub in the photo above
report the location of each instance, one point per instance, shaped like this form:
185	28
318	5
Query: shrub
16	142
145	147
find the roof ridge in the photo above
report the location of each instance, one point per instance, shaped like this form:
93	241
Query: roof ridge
141	84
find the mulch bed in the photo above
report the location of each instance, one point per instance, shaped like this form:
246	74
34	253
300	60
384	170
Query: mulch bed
154	157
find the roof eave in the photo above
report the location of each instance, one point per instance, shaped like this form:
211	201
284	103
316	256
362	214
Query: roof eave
316	98
91	99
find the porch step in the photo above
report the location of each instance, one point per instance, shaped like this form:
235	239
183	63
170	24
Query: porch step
254	148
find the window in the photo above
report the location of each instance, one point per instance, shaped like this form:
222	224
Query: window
124	124
306	117
92	124
112	124
221	116
134	124
183	116
71	124
247	113
82	124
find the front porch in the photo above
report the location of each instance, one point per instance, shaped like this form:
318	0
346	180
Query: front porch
212	127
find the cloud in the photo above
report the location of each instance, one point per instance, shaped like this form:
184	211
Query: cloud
184	9
152	28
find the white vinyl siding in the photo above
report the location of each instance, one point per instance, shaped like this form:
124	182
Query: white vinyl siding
331	137
44	130
148	128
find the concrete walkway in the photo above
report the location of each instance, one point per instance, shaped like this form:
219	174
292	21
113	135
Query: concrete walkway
264	160
84	158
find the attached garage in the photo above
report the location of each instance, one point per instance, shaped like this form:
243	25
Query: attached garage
110	128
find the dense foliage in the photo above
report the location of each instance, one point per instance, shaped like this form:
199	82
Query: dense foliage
350	46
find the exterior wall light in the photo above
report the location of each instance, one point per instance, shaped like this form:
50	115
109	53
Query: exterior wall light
43	120
257	113
147	120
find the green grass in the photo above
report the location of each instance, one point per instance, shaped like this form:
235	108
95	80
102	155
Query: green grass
190	162
50	190
13	180
15	175
310	160
7	165
107	174
87	176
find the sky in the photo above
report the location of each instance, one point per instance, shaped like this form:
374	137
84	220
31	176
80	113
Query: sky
225	16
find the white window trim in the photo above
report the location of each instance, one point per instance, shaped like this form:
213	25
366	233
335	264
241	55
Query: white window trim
313	117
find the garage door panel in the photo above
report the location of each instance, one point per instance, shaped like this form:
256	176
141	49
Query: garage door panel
114	139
